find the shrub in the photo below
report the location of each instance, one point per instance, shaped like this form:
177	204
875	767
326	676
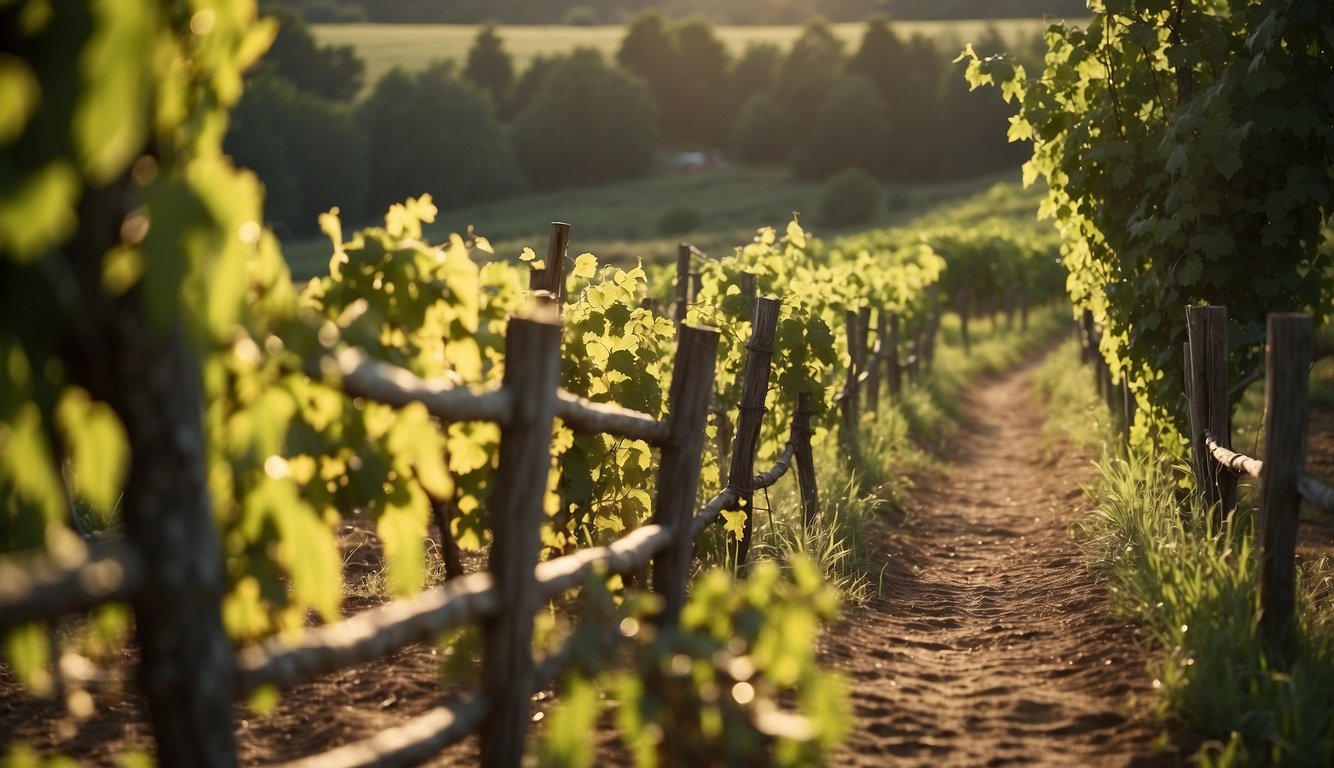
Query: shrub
678	219
851	196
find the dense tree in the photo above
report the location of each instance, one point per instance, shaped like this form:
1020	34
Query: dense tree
851	131
687	68
435	132
700	110
809	70
332	72
527	85
763	132
883	58
489	66
307	150
588	123
1189	157
755	71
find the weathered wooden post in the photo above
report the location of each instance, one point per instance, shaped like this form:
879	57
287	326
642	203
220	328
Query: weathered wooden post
186	666
443	511
962	307
1207	329
874	360
895	372
532	374
1086	336
678	473
801	452
1287	364
847	399
754	384
682	283
548	283
863	347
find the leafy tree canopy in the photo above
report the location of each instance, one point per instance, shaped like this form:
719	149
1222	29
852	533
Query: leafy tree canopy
1188	148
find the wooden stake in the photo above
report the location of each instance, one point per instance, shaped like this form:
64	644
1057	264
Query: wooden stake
801	443
1287	363
755	383
548	283
1207	328
682	283
532	373
678	473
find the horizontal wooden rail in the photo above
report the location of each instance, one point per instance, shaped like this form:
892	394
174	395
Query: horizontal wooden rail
422	737
779	469
1316	492
368	635
629	553
391	385
586	416
75	577
1238	463
412	743
726	499
378	631
1310	488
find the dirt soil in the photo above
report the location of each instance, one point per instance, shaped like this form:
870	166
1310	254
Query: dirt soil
990	645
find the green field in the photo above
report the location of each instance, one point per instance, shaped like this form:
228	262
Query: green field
413	46
619	222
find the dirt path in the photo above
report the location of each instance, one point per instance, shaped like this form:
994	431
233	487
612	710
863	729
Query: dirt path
990	644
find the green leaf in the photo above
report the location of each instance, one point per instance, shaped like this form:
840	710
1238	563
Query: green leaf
38	211
99	449
401	526
734	522
586	266
111	118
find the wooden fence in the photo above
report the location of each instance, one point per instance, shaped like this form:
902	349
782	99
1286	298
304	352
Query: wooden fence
504	598
1284	481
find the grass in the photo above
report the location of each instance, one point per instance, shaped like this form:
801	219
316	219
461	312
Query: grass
619	221
413	46
1193	591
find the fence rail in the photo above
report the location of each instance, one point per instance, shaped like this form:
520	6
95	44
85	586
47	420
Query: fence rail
504	598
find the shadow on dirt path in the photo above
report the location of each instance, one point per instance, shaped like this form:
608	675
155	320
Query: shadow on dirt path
991	644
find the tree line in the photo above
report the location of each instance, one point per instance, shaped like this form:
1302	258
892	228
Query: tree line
620	11
894	107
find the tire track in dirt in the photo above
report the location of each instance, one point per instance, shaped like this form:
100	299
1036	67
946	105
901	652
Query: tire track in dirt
990	643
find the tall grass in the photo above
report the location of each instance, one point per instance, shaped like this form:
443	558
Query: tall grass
1193	590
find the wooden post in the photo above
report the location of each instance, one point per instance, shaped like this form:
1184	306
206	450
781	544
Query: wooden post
443	510
1287	364
754	384
1128	405
186	666
863	346
678	472
961	304
1086	336
549	283
848	397
682	283
801	452
895	373
874	360
532	373
1207	328
932	333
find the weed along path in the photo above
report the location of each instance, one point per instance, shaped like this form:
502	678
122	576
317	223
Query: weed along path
990	644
